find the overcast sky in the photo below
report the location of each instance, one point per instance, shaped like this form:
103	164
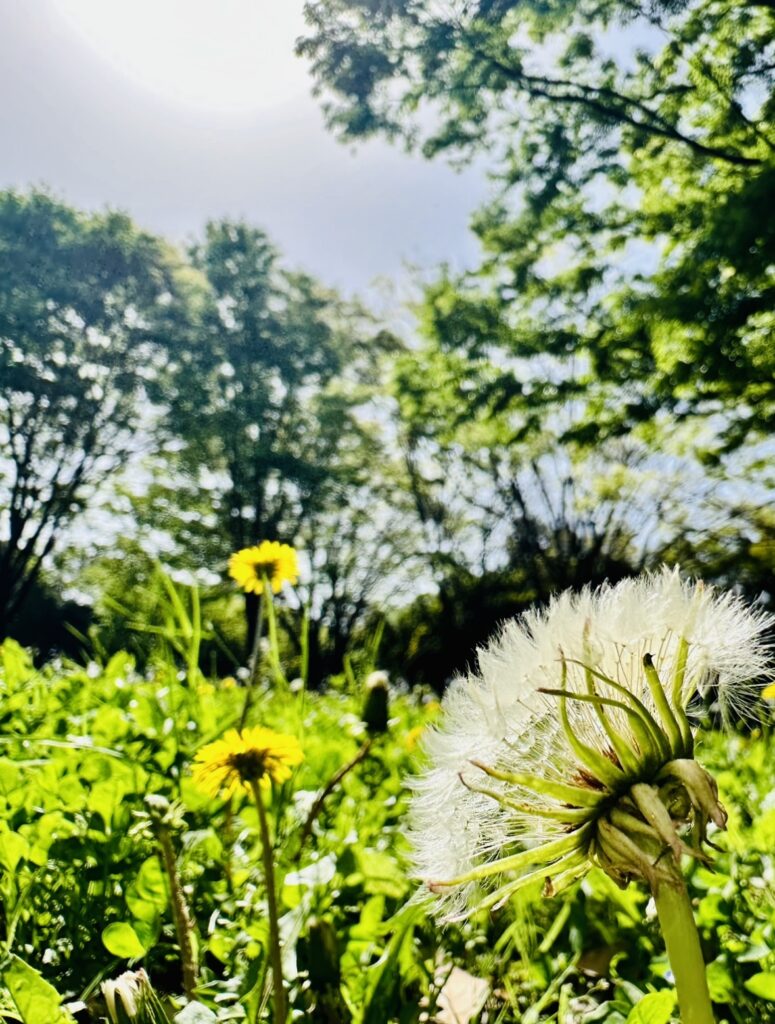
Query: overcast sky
182	110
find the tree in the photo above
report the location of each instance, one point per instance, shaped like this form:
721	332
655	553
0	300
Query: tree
506	514
84	315
634	145
269	403
360	552
257	396
586	68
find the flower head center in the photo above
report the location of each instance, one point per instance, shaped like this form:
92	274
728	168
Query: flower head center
266	567
250	765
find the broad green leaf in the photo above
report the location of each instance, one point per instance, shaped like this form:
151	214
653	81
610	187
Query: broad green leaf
720	982
9	776
147	897
381	874
147	932
36	1000
16	663
12	848
122	940
655	1008
762	985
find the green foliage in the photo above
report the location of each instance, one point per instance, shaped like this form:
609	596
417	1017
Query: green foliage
81	880
271	413
634	149
35	999
618	328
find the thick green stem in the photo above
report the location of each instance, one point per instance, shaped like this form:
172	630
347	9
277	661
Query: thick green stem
683	949
275	953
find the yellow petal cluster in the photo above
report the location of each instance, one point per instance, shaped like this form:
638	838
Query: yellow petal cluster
268	562
239	759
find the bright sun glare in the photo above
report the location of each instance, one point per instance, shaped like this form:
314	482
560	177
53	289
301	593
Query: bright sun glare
223	55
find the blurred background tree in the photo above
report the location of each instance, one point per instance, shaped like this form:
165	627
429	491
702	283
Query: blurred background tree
84	317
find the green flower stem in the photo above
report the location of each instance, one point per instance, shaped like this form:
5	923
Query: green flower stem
181	915
274	645
683	949
275	953
254	661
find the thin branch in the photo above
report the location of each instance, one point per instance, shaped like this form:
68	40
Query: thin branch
611	104
330	786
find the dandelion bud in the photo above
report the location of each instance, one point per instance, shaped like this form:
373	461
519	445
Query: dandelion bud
375	707
574	744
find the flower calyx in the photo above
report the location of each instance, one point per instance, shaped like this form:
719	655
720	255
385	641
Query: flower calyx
648	830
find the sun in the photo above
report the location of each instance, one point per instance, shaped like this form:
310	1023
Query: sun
230	56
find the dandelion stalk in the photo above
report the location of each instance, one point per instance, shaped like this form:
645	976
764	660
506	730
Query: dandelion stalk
327	790
262	570
163	818
679	929
181	916
274	644
275	949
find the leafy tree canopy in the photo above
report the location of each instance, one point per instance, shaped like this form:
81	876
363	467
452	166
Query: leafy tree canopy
633	144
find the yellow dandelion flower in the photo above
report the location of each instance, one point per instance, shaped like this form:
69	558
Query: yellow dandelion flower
768	693
257	755
271	561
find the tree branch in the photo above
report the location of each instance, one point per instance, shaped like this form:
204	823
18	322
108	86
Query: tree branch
611	104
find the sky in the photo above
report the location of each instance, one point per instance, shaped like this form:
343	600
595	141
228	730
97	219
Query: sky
179	111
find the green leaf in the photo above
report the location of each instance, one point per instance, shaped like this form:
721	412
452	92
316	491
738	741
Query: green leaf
148	932
655	1008
381	874
762	985
122	940
384	976
720	982
12	848
147	897
9	777
35	999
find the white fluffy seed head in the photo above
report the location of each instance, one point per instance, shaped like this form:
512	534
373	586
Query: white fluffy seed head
500	718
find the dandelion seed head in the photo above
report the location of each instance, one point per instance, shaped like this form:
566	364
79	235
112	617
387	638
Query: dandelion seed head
501	752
